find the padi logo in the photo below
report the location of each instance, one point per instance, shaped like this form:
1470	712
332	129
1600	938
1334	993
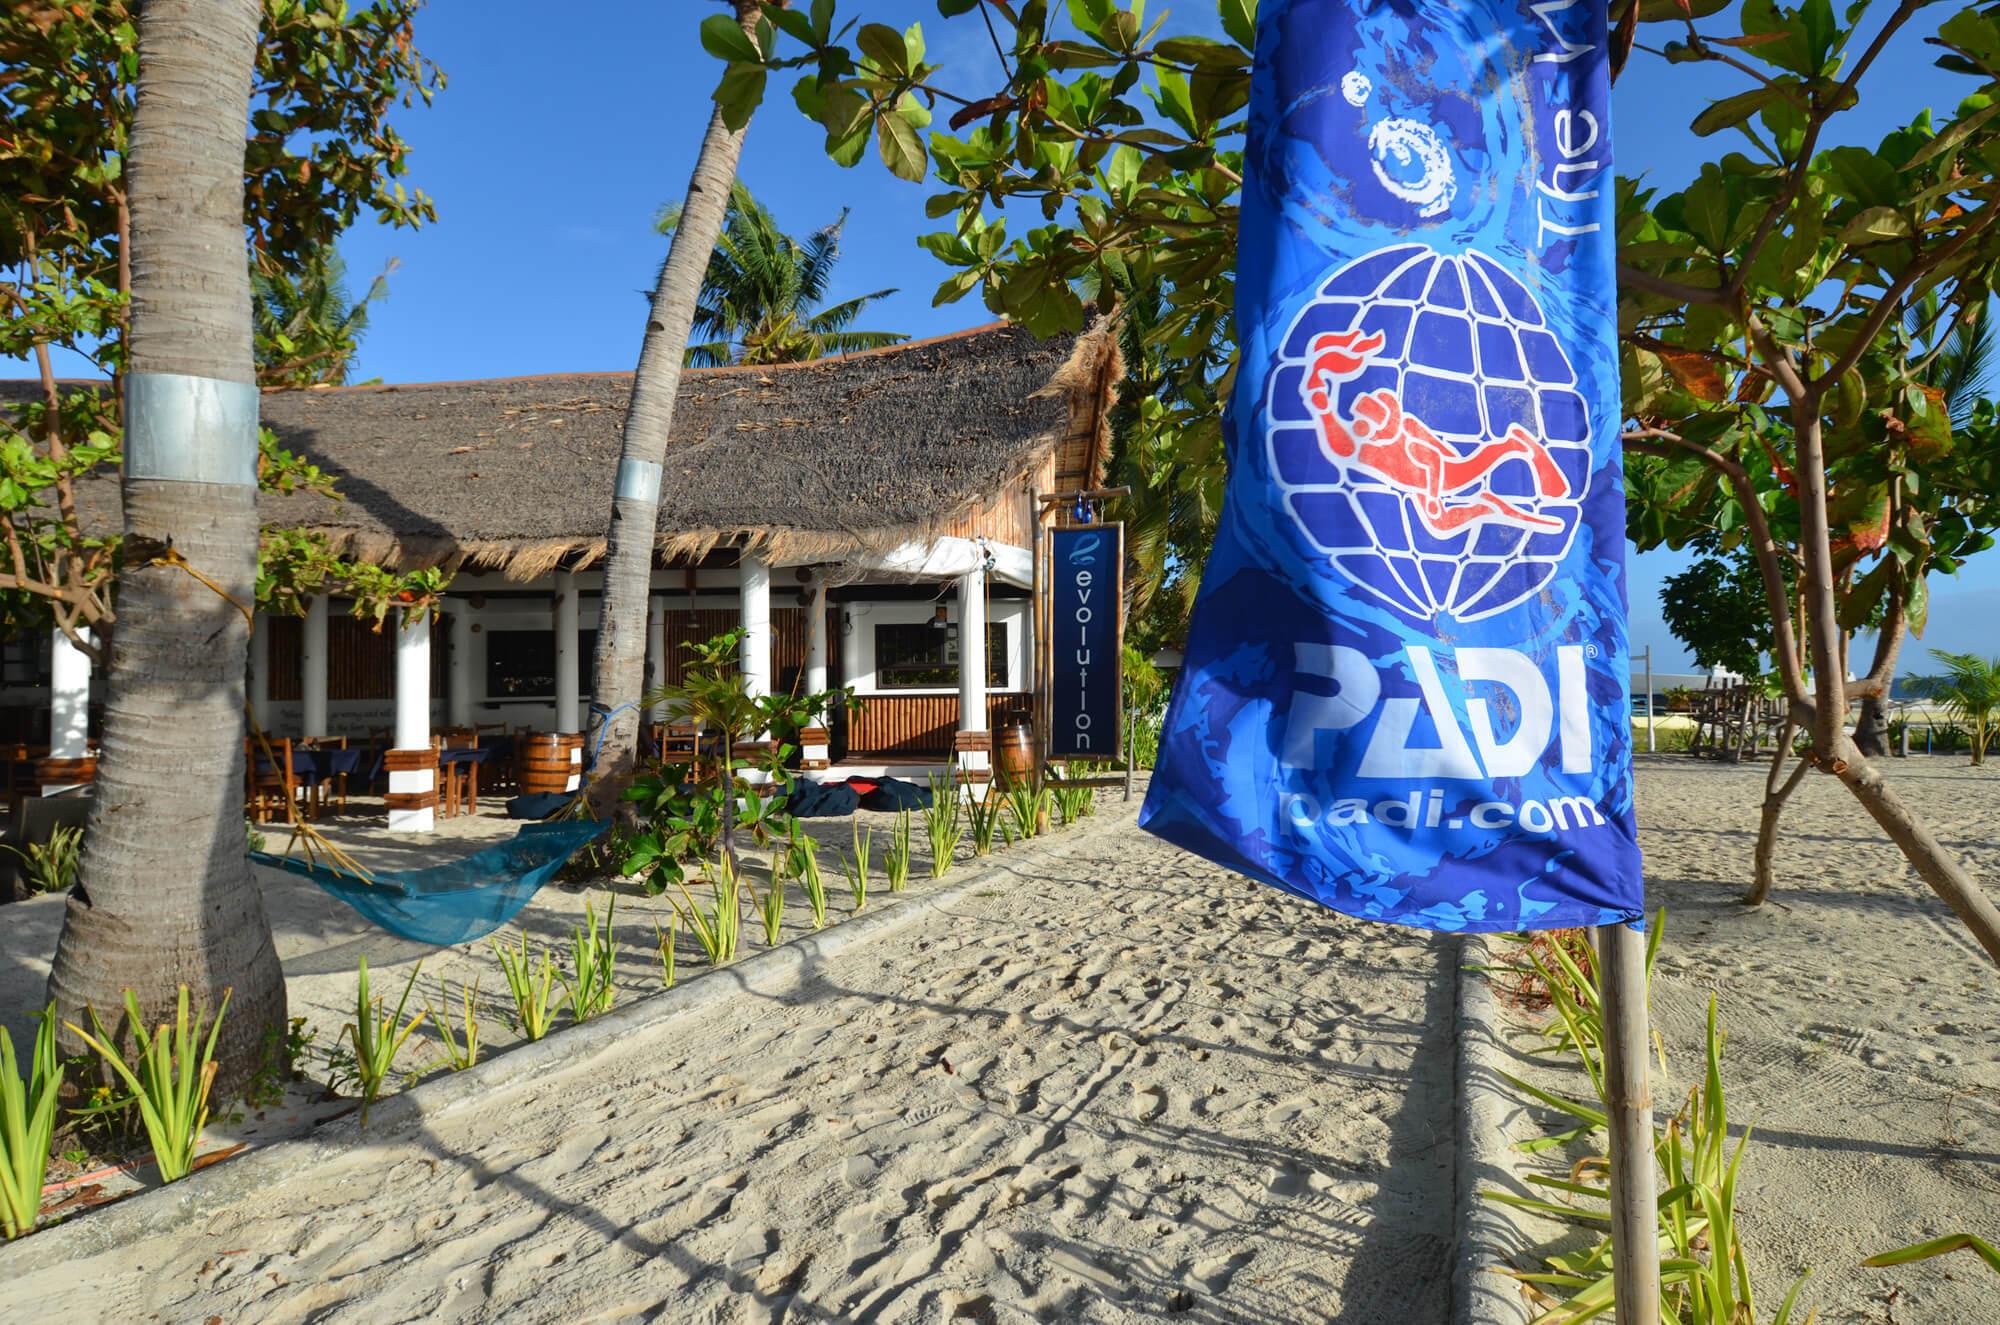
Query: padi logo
1426	433
1478	754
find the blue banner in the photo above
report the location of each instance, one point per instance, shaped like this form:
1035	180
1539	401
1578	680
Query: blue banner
1086	597
1404	694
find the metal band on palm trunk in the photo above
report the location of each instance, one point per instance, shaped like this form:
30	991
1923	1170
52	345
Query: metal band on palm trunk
638	480
191	429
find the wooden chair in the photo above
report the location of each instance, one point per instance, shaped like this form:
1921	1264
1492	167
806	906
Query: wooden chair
269	784
458	792
330	781
680	743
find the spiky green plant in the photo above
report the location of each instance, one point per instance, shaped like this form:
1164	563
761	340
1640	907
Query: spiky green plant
669	942
1704	1275
896	860
176	1071
533	988
460	1042
51	866
1073	802
27	1124
771	902
718	928
376	1038
857	880
984	815
943	824
587	985
857	866
805	866
1029	804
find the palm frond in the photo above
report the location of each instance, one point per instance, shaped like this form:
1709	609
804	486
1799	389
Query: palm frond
842	315
853	342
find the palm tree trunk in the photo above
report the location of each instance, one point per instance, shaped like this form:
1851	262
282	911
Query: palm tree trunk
166	896
635	504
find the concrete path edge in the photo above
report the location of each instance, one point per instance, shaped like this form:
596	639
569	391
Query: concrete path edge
771	972
1487	1234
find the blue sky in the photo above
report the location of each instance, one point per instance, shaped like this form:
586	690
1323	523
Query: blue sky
562	132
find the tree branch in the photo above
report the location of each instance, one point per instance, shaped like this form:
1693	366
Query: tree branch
1674	290
1669	445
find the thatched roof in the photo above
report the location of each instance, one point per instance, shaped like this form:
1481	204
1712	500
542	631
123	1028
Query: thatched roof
817	461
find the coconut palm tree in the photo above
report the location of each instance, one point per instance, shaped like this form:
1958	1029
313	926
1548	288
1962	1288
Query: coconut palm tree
635	495
307	328
166	897
1969	690
761	290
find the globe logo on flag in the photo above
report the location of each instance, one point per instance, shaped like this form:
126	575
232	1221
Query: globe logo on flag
1426	433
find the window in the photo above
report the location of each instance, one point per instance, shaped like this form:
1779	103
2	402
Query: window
521	664
917	655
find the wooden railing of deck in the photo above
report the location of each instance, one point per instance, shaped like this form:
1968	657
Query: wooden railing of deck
917	726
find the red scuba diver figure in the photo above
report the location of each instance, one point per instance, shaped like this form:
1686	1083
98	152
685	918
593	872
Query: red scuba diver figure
1381	440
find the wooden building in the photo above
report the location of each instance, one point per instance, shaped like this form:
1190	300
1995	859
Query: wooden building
861	517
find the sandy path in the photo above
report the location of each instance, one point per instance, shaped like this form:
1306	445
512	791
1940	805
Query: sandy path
1860	1018
1117	1087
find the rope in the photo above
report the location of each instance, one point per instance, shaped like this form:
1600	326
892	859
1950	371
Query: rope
308	838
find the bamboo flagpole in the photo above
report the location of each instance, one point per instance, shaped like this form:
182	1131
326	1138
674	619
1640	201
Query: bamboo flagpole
1635	1243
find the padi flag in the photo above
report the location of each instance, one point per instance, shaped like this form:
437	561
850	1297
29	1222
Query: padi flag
1404	693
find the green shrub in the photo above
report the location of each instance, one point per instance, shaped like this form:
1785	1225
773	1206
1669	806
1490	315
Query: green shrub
27	1125
51	866
171	1083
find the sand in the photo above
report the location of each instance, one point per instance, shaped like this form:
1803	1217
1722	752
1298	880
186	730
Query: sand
1860	1022
1117	1086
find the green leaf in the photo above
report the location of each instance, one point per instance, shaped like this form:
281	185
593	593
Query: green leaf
1875	225
1950	1242
1917	605
884	45
739	94
1732	111
1239	21
902	150
722	38
1201	53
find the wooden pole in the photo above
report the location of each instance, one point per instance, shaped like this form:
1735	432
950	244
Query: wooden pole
1635	1247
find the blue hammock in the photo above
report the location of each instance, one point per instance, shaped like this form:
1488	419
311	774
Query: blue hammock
464	900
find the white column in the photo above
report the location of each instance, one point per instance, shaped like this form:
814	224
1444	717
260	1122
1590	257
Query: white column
413	720
69	705
566	661
459	694
312	669
972	666
816	639
260	671
756	661
656	653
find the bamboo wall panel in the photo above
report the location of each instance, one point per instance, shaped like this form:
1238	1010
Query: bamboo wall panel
1008	518
788	637
286	634
917	726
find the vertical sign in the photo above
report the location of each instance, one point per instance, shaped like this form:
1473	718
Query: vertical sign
1086	638
1404	695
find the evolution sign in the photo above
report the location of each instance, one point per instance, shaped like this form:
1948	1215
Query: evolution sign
1086	637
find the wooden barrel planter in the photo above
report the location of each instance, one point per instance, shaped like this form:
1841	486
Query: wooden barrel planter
1014	751
548	760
